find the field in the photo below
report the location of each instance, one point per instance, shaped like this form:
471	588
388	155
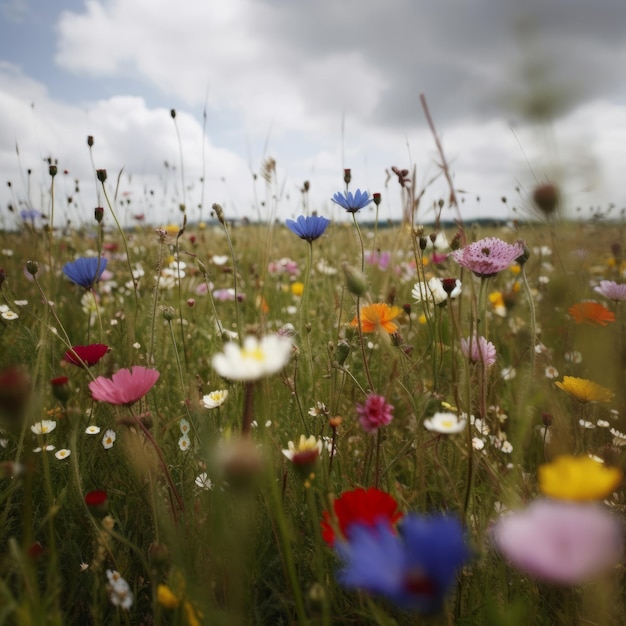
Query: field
320	423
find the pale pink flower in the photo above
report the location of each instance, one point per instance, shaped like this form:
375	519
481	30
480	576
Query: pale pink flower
612	290
374	413
488	256
479	350
560	542
125	386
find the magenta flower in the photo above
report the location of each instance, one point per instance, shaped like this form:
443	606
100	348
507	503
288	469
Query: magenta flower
374	413
488	256
612	290
89	355
125	386
560	542
479	350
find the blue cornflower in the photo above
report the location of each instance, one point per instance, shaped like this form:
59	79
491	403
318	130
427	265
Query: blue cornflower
352	202
85	271
415	568
308	228
30	215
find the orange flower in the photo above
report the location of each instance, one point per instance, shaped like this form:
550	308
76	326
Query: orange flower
591	313
378	315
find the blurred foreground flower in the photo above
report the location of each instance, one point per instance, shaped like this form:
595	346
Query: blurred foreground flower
85	271
256	359
352	202
592	313
374	413
415	568
584	390
378	316
44	427
125	386
578	478
89	355
308	228
359	506
488	256
560	542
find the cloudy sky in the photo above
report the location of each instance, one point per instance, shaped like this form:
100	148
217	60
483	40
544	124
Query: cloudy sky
520	92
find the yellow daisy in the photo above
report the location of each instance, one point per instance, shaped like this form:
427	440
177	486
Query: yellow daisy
578	478
585	390
378	316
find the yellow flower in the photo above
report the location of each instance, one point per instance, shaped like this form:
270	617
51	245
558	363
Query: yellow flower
578	478
497	301
378	316
516	269
585	390
172	229
297	288
166	597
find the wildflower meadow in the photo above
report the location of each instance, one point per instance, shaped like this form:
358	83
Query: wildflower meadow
312	421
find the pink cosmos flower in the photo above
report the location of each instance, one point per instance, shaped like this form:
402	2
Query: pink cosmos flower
374	413
479	350
488	256
560	542
612	290
125	386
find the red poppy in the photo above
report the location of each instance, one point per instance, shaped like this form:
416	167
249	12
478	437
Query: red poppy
359	506
89	355
592	313
96	501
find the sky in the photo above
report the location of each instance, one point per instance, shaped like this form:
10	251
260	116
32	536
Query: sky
520	93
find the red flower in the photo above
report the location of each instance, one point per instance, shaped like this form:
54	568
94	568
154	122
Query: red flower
359	506
592	313
89	355
96	502
125	386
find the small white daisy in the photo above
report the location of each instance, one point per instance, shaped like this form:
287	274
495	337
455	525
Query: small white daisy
92	430
62	454
108	439
184	443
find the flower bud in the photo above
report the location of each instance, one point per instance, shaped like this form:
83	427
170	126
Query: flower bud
168	313
101	175
32	267
525	256
173	113
342	351
423	243
347	176
61	388
356	281
546	197
98	214
53	170
219	212
376	197
90	140
97	502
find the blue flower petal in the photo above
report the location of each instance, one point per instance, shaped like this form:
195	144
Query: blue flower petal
85	271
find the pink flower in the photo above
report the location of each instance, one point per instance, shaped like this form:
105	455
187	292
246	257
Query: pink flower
374	413
612	290
479	350
125	386
560	542
488	256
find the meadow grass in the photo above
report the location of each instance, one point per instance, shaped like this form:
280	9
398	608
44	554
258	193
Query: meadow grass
207	526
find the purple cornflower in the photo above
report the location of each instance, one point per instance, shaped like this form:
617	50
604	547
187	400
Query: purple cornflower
612	290
415	568
352	202
308	228
479	350
85	271
374	413
488	256
560	542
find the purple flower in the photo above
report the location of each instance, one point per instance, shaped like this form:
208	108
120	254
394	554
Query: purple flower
308	228
612	290
352	202
378	258
488	256
479	350
560	542
414	568
374	413
85	271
